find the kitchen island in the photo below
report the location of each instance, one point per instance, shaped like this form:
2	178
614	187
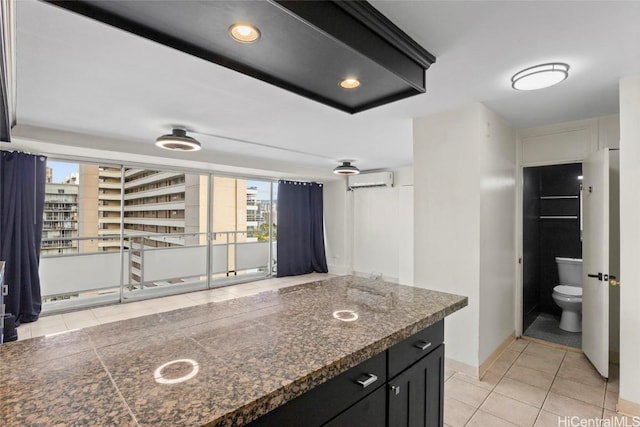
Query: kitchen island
219	364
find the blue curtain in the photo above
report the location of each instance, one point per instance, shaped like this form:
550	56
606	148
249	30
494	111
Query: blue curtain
300	229
22	182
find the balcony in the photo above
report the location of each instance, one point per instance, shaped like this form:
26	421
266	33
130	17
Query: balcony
96	278
168	206
157	177
160	191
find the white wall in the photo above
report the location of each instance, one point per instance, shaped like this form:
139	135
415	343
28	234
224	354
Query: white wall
464	198
629	240
497	233
447	219
338	232
369	231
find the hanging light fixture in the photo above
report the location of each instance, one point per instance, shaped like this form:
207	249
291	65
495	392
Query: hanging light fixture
540	76
346	168
178	140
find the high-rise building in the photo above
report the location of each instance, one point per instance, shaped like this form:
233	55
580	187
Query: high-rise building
157	209
60	219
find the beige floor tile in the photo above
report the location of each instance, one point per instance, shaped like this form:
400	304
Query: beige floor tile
42	330
488	382
465	392
588	394
80	324
538	363
577	359
509	356
566	406
547	419
46	321
546	352
448	373
24	332
511	410
610	400
518	345
582	373
456	413
529	376
499	367
520	391
485	419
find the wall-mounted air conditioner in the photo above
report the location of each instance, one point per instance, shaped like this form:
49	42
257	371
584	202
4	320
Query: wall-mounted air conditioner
370	179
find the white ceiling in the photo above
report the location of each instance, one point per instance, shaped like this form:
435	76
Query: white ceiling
120	91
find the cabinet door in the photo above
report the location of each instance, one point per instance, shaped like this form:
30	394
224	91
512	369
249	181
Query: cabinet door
416	395
369	412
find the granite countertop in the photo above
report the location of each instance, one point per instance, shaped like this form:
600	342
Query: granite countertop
217	364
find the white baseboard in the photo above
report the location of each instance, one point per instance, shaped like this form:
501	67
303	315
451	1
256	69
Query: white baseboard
627	407
454	365
339	270
484	366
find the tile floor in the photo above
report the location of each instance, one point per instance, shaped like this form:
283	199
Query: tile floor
47	325
529	385
532	384
546	327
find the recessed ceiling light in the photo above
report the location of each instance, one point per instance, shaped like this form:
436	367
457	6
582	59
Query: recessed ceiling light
178	141
244	33
346	168
540	76
350	83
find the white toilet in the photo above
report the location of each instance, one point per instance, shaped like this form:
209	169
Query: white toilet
568	294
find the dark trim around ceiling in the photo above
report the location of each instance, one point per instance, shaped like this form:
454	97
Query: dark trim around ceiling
370	16
397	53
88	10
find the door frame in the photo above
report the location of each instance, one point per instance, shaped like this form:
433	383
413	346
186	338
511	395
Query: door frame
520	230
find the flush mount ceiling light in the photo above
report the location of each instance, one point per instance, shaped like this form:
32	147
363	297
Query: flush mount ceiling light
350	83
540	76
244	33
178	141
346	168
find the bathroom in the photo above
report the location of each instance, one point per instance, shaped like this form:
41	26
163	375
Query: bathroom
552	239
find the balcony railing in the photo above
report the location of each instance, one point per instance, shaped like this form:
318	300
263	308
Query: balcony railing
147	265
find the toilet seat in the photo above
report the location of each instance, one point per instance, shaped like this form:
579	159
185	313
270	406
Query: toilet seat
570	291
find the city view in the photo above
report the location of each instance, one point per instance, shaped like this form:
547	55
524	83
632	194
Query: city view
99	209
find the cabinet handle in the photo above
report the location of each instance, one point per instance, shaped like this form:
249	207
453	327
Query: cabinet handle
395	389
368	380
422	345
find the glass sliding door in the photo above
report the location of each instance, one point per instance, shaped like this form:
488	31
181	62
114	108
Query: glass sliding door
80	251
240	226
165	232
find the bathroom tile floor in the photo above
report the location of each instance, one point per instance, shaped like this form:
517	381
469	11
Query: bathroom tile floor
546	327
532	384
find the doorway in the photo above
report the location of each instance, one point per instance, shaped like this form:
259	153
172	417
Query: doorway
552	228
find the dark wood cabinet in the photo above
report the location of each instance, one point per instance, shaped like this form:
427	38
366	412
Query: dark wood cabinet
400	387
415	396
369	412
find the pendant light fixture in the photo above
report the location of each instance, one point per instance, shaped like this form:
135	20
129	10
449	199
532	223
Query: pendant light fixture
178	140
346	168
540	76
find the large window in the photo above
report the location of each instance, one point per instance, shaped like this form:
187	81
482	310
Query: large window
146	232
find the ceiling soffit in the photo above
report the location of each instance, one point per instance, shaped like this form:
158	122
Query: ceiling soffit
306	47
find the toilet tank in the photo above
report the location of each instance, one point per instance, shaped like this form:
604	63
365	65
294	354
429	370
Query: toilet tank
570	271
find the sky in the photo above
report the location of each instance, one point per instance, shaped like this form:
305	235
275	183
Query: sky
61	170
